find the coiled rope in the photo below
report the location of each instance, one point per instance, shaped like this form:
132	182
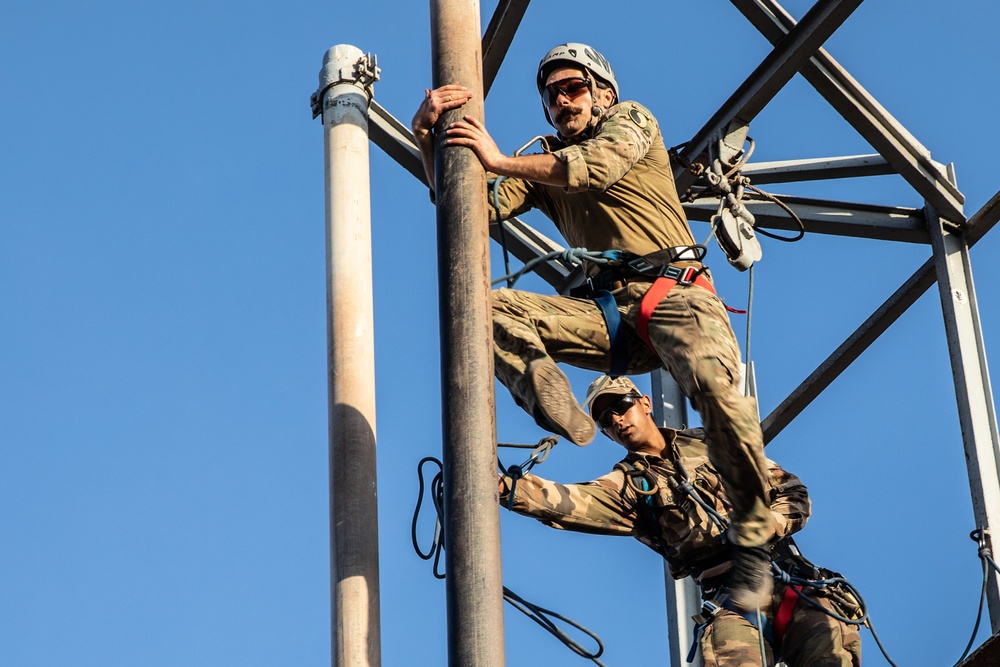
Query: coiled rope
546	618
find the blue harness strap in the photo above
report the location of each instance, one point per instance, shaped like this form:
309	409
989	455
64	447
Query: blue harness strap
751	617
619	340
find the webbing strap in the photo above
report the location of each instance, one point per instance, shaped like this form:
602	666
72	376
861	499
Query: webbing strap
710	610
619	340
655	294
784	615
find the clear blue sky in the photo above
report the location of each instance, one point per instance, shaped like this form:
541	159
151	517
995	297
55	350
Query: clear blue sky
163	429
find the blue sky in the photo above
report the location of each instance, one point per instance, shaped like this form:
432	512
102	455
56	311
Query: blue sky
163	429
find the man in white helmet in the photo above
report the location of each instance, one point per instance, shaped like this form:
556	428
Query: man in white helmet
606	182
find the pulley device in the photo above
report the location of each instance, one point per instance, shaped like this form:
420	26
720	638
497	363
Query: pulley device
733	224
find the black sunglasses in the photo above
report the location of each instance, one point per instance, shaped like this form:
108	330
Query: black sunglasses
572	88
618	408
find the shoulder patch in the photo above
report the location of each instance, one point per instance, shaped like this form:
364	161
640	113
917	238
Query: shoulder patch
638	117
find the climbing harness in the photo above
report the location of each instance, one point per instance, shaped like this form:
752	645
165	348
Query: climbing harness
802	580
710	608
783	616
616	333
637	470
671	277
540	615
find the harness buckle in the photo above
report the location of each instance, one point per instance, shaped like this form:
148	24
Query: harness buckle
709	610
640	264
681	275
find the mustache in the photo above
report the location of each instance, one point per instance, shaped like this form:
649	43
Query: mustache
566	113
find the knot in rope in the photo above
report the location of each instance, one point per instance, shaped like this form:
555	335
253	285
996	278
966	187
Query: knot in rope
568	256
780	575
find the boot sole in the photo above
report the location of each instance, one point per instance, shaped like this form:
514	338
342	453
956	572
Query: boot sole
555	398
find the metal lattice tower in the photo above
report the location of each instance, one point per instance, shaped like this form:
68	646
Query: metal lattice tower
941	224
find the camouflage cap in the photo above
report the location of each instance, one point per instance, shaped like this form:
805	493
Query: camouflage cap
605	385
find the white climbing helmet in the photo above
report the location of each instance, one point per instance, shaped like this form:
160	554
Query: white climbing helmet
575	53
581	55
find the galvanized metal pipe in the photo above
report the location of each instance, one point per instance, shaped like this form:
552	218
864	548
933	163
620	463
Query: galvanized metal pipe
976	409
471	515
683	595
344	95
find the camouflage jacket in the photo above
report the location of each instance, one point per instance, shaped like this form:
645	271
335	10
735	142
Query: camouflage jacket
621	193
669	520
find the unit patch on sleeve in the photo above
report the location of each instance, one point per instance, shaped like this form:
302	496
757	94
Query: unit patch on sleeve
638	117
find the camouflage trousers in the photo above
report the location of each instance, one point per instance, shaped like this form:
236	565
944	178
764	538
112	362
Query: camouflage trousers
811	639
690	336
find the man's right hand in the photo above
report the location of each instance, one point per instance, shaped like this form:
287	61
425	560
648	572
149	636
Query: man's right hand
435	103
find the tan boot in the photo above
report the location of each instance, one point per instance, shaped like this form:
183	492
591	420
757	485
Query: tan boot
557	410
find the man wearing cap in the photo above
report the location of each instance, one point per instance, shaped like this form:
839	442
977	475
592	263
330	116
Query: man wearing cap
666	494
605	180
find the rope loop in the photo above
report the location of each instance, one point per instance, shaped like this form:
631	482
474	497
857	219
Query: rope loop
437	497
540	615
568	256
543	617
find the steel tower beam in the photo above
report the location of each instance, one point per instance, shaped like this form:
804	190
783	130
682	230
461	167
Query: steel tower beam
870	330
767	80
863	112
816	169
820	216
683	595
499	35
976	410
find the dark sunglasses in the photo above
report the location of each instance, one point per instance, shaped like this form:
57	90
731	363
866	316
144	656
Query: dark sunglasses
618	408
572	88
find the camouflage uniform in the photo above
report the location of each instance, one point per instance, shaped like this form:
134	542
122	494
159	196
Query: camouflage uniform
692	543
621	196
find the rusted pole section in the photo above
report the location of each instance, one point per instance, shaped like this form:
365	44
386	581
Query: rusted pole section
471	518
345	91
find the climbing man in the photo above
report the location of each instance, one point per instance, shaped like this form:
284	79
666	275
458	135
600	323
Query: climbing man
605	180
666	494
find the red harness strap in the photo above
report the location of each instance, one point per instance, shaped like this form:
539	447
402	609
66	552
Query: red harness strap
784	615
654	295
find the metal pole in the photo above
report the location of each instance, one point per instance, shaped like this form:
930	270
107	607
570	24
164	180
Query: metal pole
683	595
471	516
976	410
342	99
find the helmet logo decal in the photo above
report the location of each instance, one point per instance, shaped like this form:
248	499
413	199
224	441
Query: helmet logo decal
572	52
597	57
